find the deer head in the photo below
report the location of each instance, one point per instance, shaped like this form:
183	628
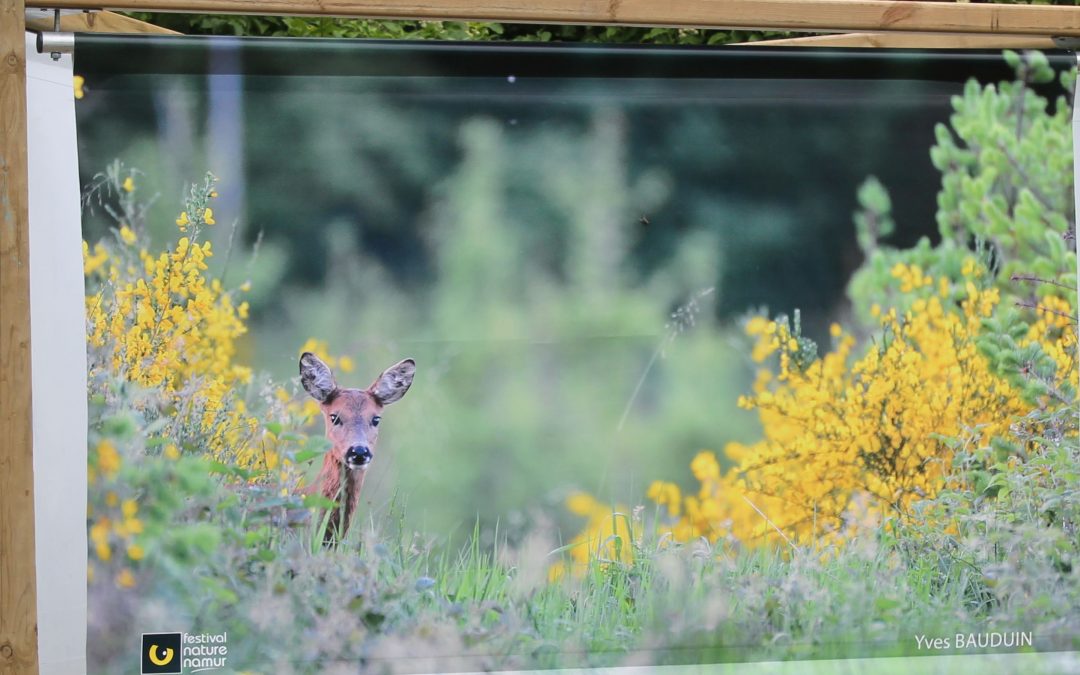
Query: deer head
352	418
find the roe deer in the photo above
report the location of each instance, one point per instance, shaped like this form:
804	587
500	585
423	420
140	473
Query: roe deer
352	427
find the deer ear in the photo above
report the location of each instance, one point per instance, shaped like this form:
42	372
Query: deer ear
394	382
316	377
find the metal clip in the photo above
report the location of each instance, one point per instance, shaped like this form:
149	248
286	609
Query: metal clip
55	42
1070	43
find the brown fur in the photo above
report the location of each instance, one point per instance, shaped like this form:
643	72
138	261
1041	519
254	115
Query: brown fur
351	417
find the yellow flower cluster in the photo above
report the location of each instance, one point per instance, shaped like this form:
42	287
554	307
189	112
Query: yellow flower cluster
711	511
163	322
321	349
205	215
117	526
843	443
608	536
846	442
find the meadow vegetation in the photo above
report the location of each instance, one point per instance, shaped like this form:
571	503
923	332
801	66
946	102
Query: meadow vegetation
918	475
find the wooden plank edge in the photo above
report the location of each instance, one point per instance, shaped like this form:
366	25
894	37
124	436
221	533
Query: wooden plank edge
98	22
18	574
912	40
792	15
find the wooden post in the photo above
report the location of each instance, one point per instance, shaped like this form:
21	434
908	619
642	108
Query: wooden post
913	41
18	597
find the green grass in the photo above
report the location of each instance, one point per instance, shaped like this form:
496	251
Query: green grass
388	597
218	557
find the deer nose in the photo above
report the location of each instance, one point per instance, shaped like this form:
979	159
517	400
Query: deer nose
358	456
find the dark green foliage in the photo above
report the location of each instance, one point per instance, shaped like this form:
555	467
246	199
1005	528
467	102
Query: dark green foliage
1006	218
278	26
1006	197
874	221
1027	367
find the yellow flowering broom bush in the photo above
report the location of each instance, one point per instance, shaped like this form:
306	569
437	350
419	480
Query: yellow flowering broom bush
849	440
161	322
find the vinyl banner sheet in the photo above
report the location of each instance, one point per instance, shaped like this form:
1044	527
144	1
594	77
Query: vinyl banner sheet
431	357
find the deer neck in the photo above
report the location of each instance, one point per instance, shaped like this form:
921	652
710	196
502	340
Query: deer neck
341	485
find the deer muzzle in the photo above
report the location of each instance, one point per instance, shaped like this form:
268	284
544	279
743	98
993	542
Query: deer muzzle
358	457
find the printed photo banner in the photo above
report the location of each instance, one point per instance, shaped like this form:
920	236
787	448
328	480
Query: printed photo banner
427	357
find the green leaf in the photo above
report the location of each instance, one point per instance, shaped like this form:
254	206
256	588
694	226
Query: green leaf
304	456
318	502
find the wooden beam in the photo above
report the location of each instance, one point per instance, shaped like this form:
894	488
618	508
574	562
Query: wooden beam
913	40
795	15
18	596
98	22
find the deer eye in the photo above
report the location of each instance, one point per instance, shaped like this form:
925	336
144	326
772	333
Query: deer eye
334	419
375	421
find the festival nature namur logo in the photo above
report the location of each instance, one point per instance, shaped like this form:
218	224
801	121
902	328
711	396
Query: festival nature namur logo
161	652
183	652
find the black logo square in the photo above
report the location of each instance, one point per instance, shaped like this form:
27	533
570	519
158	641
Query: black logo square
161	653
